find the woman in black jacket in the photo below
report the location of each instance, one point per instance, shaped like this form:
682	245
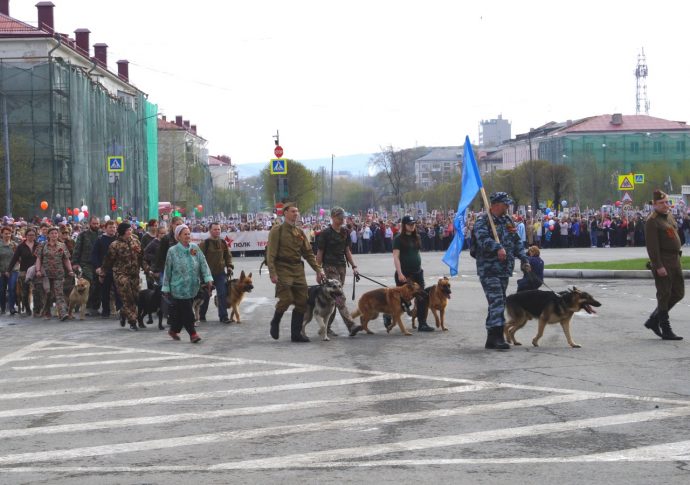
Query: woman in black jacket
26	255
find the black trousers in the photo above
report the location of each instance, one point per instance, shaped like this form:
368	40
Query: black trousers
421	302
183	315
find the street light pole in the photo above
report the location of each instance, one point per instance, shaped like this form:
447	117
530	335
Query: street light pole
6	138
535	203
332	157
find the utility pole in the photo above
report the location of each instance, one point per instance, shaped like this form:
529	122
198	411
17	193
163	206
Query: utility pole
535	202
331	204
6	138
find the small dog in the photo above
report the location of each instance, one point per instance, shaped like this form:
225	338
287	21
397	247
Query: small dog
321	304
78	297
439	294
385	300
238	288
547	307
149	302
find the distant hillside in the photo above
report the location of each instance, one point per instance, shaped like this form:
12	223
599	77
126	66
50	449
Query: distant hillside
355	164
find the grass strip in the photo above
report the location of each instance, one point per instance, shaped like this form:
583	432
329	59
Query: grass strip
621	264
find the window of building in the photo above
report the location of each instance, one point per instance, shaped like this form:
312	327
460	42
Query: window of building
680	146
634	147
656	147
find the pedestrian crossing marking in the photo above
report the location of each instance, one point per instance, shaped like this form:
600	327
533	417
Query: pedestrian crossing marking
113	448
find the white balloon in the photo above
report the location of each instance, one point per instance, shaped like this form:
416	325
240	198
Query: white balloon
80	217
84	208
106	218
564	203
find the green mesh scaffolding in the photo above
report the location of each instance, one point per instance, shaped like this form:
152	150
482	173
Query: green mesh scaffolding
63	125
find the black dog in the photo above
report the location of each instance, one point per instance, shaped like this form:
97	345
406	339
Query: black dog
149	303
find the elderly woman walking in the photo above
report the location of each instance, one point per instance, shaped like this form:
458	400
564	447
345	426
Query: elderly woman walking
185	271
52	262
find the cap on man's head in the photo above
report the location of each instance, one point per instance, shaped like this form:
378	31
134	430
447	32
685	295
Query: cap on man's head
500	198
337	212
122	228
287	205
408	220
659	195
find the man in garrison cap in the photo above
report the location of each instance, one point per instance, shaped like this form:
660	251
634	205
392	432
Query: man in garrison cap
287	245
495	263
663	247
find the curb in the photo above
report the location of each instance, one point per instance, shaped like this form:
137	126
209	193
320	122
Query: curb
604	274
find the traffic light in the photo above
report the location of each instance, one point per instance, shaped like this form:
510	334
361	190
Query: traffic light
113	204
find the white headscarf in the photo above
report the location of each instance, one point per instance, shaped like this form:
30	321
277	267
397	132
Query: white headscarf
179	228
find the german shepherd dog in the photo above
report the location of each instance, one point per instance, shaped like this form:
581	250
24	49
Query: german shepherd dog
149	303
78	297
237	288
439	294
321	304
547	307
385	300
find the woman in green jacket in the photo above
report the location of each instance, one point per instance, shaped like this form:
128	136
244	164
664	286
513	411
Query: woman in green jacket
185	271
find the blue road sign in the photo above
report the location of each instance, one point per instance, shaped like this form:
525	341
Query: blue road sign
278	166
116	164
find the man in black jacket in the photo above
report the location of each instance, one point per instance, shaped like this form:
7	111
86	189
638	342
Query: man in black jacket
100	249
81	261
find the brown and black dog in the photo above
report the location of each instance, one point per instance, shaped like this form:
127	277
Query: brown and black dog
547	307
238	287
384	300
439	294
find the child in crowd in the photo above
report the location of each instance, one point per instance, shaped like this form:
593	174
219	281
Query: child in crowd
532	280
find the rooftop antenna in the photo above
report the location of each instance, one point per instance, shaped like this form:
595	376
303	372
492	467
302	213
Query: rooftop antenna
641	77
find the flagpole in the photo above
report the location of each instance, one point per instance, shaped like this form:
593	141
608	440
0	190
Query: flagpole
488	211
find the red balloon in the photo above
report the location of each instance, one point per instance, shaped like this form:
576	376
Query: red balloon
69	211
44	205
75	211
200	208
618	203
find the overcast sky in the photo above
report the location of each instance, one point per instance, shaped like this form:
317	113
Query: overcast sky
349	77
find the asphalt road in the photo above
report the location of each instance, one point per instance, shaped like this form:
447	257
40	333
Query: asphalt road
88	401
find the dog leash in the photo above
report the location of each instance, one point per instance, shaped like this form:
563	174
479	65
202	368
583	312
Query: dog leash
355	279
531	275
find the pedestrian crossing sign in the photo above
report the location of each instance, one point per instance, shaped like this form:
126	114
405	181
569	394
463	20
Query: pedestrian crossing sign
625	182
278	166
639	178
116	164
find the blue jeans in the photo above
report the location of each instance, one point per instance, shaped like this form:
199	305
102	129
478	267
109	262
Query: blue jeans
222	293
8	285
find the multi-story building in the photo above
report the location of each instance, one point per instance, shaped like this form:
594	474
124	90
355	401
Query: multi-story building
223	172
493	132
437	166
67	113
184	176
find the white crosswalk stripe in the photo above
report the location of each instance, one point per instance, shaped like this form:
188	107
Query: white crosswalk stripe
206	401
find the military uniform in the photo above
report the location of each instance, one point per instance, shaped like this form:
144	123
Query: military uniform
663	247
333	246
287	245
125	257
493	273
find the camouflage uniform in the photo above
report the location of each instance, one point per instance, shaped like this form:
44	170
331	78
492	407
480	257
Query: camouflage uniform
125	258
333	246
494	274
52	267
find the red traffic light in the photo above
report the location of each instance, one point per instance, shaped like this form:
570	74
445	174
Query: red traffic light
113	204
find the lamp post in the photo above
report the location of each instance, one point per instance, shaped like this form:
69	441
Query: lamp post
6	141
535	202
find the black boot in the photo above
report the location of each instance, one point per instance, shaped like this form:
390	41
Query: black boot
423	327
495	340
652	323
665	325
275	324
296	327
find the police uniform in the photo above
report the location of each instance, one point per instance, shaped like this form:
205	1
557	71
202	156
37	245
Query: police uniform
493	273
334	246
125	257
663	247
287	245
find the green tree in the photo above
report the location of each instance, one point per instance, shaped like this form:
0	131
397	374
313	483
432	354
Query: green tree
303	185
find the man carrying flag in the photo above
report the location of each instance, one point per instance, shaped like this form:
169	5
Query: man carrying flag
498	244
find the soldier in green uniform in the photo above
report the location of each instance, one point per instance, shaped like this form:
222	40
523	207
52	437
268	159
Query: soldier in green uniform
663	248
125	258
333	253
287	245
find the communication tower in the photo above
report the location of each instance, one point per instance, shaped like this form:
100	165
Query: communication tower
641	77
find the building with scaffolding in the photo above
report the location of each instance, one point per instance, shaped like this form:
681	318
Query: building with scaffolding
66	113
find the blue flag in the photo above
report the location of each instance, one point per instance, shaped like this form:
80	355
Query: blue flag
471	183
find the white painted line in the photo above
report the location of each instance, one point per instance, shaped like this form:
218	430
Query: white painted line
141	371
189	397
77	356
283	462
102	362
247	411
165	382
307	459
17	354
